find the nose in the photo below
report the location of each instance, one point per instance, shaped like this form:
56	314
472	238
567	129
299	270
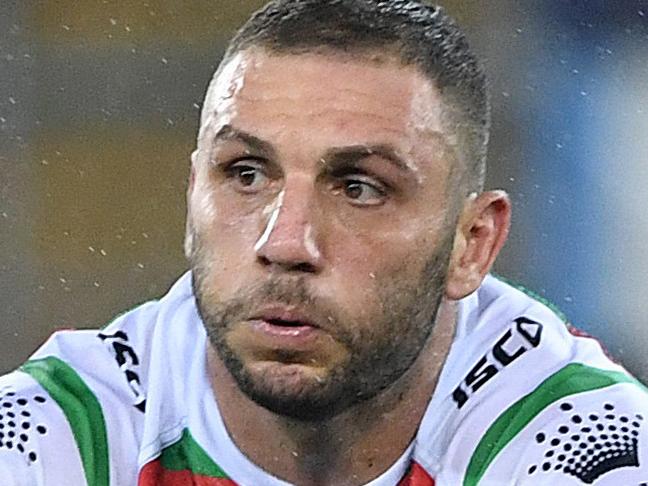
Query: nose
290	239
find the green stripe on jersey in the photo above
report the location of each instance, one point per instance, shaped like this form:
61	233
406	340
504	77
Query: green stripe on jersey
82	411
570	380
186	454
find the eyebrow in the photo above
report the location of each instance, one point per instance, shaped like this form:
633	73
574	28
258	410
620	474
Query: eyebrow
228	132
356	153
333	157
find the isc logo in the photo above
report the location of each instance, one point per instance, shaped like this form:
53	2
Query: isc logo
128	362
523	335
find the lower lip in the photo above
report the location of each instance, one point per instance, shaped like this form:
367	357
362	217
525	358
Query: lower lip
292	333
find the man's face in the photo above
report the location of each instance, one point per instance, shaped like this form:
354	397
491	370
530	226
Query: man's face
319	227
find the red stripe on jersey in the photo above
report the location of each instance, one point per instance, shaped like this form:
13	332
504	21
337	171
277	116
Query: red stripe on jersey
154	474
417	476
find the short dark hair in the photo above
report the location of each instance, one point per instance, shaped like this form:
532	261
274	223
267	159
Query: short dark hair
419	34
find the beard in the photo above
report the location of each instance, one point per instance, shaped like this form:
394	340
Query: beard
383	343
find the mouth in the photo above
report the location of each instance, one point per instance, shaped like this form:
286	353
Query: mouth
285	322
286	316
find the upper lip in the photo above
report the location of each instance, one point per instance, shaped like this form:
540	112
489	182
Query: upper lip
288	313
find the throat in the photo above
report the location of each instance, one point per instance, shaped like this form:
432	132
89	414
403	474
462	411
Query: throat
362	442
353	447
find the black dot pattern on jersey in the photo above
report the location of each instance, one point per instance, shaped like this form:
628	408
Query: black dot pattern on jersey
588	445
17	428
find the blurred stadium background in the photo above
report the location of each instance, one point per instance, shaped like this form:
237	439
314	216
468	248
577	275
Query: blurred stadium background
99	104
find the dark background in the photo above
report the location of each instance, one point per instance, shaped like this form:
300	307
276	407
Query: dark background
99	105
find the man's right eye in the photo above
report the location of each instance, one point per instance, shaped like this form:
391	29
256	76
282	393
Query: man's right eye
248	176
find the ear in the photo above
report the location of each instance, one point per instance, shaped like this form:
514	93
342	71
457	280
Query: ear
481	232
192	174
189	233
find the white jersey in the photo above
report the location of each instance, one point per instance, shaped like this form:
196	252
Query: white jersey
521	400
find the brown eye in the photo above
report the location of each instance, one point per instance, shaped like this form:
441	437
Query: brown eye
363	192
248	176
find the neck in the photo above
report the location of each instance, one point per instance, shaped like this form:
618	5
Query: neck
351	448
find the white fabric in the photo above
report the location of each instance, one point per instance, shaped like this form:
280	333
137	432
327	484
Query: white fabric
163	343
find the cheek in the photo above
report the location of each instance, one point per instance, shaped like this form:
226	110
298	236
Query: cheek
381	249
226	231
367	267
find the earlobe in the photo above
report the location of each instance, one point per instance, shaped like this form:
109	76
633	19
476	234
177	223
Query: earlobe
482	230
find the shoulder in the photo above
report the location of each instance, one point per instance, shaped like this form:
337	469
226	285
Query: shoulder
587	426
538	403
69	412
37	443
71	409
86	395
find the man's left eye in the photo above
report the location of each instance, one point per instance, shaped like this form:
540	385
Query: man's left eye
364	193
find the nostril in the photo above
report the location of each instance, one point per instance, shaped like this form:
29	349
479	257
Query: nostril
305	267
264	260
302	267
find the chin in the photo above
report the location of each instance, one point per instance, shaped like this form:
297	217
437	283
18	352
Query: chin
295	391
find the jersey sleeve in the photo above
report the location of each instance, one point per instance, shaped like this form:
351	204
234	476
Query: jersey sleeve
37	447
14	471
599	437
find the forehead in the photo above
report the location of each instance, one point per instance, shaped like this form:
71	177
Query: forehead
356	96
